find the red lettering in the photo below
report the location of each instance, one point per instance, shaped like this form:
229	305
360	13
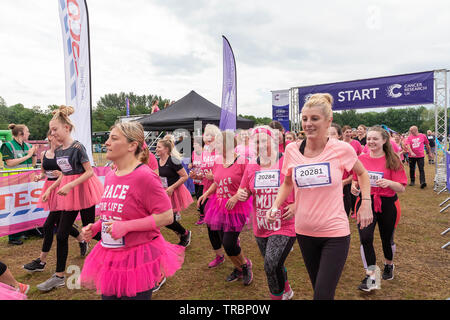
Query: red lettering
18	198
2	200
75	5
36	193
75	58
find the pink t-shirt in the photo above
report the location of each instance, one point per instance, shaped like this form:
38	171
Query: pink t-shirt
248	152
357	146
196	161
228	179
127	198
317	183
264	183
208	161
417	144
152	162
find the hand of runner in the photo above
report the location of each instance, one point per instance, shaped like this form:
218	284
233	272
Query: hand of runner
271	214
383	183
86	232
242	195
64	190
364	217
289	211
231	202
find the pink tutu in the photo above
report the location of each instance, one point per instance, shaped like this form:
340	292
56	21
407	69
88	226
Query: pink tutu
126	272
217	217
83	196
51	203
10	293
181	199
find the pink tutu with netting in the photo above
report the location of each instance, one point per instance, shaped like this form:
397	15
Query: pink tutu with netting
218	217
51	203
10	293
82	196
181	198
126	272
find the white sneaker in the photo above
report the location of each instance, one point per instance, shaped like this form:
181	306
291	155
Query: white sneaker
288	295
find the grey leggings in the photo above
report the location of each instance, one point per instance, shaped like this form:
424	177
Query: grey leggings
275	250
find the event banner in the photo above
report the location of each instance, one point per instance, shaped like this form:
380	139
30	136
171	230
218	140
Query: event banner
280	107
400	90
75	31
447	156
228	115
19	195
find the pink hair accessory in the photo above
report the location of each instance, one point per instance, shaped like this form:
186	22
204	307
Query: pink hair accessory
262	130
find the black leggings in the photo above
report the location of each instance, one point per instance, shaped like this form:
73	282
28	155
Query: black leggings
412	169
324	259
227	239
198	194
64	229
146	295
387	220
275	250
3	268
176	226
348	203
51	222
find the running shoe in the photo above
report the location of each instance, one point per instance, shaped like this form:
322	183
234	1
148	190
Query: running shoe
388	273
53	282
185	240
247	274
368	284
200	221
177	216
35	266
288	295
218	260
23	288
423	185
84	246
159	283
235	275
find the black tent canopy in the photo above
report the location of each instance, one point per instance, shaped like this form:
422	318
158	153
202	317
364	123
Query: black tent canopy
183	113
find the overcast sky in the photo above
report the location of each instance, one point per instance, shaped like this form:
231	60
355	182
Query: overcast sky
170	47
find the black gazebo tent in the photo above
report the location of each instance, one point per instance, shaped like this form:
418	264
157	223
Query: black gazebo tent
183	113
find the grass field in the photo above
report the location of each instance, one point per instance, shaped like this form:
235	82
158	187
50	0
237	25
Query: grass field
421	265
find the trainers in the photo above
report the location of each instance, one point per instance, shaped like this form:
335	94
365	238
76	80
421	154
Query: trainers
17	242
411	184
185	240
368	284
388	273
218	260
200	221
235	275
159	283
177	216
35	266
53	282
247	274
288	295
423	185
84	246
23	288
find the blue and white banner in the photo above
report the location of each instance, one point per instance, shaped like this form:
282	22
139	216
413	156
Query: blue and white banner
447	156
228	115
280	107
400	90
75	31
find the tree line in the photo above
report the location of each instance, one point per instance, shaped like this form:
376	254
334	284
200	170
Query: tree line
111	106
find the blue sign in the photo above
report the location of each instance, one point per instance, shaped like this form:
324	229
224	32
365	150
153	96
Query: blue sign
281	114
401	90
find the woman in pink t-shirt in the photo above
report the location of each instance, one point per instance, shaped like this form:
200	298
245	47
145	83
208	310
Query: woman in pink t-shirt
155	107
225	214
262	181
387	178
314	170
127	263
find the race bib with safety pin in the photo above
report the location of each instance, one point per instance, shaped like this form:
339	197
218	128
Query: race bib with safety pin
164	182
267	179
64	164
374	176
108	241
313	175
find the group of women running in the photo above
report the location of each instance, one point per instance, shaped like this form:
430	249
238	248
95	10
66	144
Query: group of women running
285	189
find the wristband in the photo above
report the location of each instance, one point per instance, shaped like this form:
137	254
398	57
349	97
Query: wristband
366	199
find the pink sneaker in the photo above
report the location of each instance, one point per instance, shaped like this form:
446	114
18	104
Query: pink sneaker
216	262
200	221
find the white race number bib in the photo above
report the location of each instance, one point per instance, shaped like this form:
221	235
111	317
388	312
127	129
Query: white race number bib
374	176
313	175
108	241
64	164
267	179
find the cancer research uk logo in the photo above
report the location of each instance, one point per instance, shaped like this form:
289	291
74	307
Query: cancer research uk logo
392	91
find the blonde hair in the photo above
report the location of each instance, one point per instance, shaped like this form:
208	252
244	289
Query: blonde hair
322	100
62	115
17	129
134	131
211	129
169	142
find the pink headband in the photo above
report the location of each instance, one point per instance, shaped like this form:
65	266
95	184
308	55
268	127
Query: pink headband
262	130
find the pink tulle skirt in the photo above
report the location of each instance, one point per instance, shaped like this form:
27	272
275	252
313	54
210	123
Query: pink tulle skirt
218	217
126	272
10	293
51	203
83	196
181	199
